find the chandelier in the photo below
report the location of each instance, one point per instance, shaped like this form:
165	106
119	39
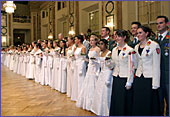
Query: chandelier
9	6
50	36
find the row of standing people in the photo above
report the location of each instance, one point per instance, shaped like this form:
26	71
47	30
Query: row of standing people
129	94
64	69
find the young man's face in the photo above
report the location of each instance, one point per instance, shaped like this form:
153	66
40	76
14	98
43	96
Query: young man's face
134	28
161	25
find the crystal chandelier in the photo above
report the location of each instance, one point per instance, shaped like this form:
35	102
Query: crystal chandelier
9	6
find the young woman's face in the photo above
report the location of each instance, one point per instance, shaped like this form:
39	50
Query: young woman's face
37	47
69	41
92	41
77	41
25	49
120	39
33	44
54	44
141	34
61	44
102	45
49	45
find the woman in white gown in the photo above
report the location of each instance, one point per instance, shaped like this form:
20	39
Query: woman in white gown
56	62
50	62
16	59
2	56
62	81
87	90
20	59
44	73
70	51
79	67
28	60
8	57
24	65
31	74
38	62
5	60
102	93
12	59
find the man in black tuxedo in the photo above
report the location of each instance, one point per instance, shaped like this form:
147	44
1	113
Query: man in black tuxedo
134	40
105	35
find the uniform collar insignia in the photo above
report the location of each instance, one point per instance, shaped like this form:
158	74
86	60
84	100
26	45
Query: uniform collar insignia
148	43
167	36
156	37
124	48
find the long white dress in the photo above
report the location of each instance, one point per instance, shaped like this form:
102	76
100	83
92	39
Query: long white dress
28	64
44	77
76	71
102	93
62	80
16	59
8	59
37	66
2	57
87	91
50	68
80	70
69	70
12	60
22	62
55	70
24	65
5	58
20	59
31	64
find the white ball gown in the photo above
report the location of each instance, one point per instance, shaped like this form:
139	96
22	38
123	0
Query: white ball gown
62	79
37	66
55	70
69	71
87	90
102	93
78	74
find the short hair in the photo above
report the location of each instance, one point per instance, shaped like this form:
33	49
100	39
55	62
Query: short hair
107	29
166	18
137	23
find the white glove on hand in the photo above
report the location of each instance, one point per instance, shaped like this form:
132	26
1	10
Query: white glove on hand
155	87
128	85
107	83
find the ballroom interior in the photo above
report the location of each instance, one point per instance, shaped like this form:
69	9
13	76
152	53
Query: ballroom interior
44	20
33	20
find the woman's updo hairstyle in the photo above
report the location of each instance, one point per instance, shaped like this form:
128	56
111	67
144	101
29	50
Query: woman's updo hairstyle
80	37
104	41
146	29
123	33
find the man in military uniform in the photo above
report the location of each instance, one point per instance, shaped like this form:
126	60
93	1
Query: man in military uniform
134	40
163	39
105	35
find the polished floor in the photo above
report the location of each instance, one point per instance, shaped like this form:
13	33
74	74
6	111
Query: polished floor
22	97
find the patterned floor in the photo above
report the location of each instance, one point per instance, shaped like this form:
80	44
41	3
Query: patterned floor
22	97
